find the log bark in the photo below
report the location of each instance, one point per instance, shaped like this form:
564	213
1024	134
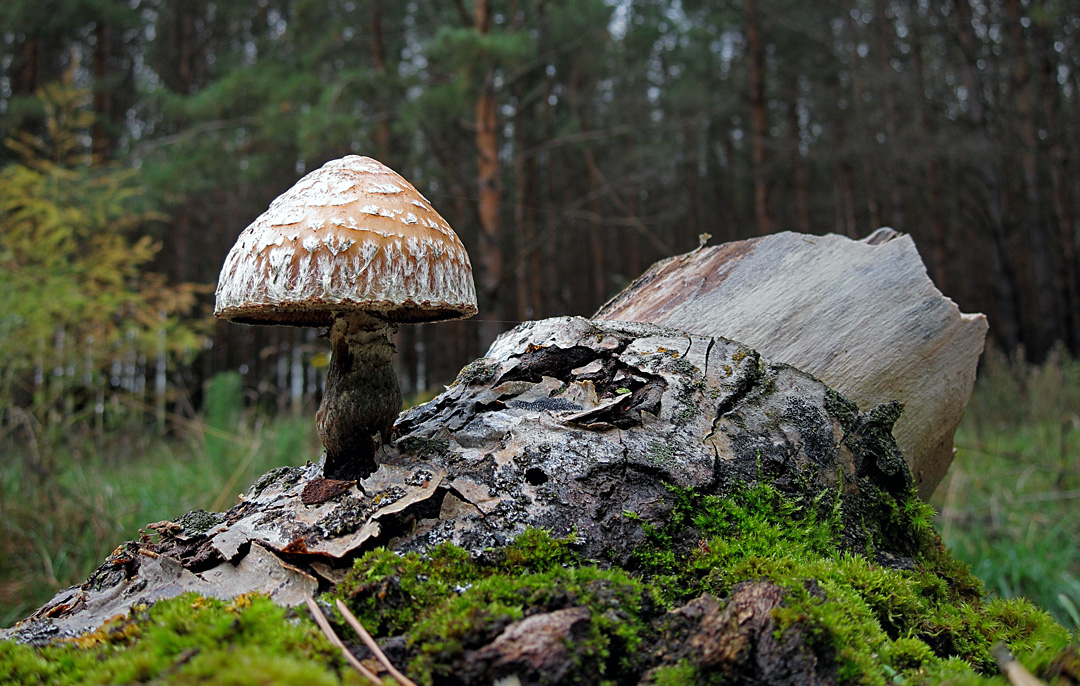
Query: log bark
860	315
567	425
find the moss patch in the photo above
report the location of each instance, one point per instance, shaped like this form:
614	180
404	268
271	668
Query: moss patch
914	616
917	622
446	602
186	640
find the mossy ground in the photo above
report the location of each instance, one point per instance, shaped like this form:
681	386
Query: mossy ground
922	620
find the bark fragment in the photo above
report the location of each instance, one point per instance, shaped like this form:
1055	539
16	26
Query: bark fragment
740	639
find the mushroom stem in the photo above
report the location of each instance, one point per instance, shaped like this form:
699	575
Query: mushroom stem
362	397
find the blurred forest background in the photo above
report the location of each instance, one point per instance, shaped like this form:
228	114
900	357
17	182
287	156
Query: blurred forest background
571	143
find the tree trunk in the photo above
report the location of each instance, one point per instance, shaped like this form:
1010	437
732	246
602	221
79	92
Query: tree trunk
886	32
1058	166
862	130
847	224
1007	323
100	136
525	208
1044	323
596	230
490	261
185	42
802	195
936	218
378	60
759	122
26	68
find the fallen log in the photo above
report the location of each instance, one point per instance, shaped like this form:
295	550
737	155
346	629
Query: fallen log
591	502
862	316
566	425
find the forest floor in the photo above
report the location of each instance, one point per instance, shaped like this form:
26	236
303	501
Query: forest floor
1009	506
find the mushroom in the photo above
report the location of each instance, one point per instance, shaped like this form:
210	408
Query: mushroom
355	247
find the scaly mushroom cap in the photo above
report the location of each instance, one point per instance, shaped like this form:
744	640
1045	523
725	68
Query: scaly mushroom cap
350	236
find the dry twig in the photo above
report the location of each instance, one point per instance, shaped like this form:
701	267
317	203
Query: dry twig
1013	670
372	645
320	619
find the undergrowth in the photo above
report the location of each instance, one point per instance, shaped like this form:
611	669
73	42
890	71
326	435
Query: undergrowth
66	504
1010	503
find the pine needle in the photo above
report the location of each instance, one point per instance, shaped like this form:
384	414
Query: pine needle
1013	670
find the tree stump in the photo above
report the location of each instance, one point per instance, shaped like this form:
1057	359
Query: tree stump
591	502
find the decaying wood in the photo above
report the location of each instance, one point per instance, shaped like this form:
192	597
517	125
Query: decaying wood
567	424
539	647
862	316
740	636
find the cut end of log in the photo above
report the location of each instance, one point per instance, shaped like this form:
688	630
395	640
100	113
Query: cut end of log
862	316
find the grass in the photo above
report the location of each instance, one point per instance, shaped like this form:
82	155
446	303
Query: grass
57	523
1010	504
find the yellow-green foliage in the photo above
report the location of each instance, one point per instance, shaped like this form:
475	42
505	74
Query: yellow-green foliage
73	296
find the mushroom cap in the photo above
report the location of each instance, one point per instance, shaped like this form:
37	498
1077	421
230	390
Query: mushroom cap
350	236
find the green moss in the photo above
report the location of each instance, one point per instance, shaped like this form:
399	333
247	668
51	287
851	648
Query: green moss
447	600
483	610
919	621
188	639
881	624
682	673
